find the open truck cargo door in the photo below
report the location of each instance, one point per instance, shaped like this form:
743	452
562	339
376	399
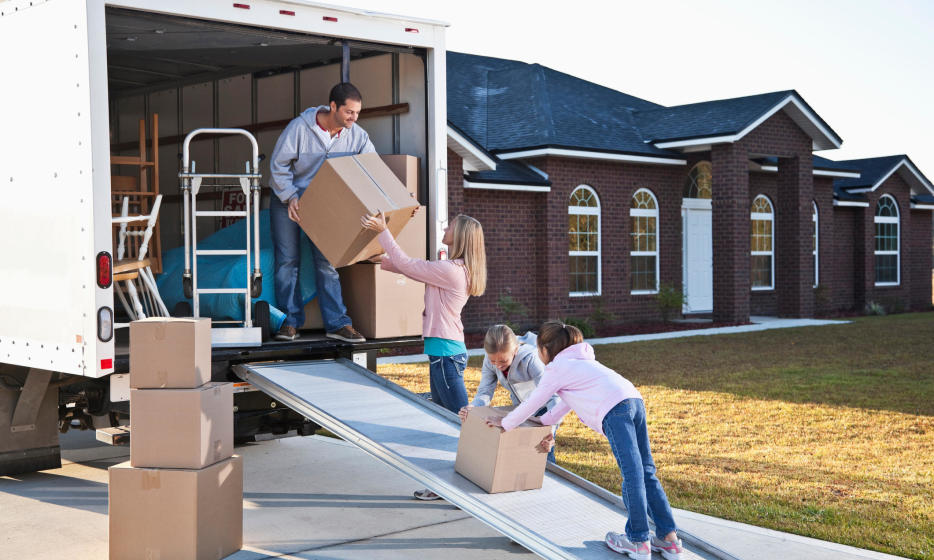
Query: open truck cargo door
566	518
55	199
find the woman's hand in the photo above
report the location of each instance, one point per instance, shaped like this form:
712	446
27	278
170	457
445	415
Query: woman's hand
375	223
547	443
462	413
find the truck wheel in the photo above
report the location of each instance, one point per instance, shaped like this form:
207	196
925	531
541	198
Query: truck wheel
262	319
182	309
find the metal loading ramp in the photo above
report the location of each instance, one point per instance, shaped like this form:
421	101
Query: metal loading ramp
566	518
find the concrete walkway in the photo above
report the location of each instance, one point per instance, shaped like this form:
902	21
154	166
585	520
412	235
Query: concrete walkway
758	324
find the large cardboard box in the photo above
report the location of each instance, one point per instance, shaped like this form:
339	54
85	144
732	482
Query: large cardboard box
170	353
500	461
342	192
176	514
405	168
413	239
382	304
181	428
313	318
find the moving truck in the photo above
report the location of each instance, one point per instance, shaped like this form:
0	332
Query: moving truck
87	73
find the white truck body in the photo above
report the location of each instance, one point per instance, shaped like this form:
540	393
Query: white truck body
56	135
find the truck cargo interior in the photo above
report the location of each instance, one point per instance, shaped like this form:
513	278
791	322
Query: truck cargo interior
169	75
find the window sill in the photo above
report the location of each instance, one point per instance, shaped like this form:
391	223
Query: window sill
643	292
583	294
764	289
887	284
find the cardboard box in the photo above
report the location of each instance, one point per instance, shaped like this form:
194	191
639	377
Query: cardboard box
500	461
313	318
382	304
176	514
413	239
181	428
342	192
170	353
405	168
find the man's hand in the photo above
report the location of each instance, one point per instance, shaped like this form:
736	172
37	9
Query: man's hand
462	413
293	210
495	422
547	443
375	223
415	211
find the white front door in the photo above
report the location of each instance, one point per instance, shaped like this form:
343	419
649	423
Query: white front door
698	255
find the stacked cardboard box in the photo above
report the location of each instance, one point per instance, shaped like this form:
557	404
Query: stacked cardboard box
500	461
181	493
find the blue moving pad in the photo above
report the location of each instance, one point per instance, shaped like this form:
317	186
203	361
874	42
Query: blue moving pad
229	271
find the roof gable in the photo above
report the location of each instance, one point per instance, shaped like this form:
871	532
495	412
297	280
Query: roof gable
729	120
875	171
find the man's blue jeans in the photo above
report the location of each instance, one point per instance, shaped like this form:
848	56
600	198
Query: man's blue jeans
446	377
286	238
643	496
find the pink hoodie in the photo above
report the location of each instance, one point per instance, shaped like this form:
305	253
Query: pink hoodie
445	288
585	385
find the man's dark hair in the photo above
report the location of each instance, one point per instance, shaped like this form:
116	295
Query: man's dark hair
342	92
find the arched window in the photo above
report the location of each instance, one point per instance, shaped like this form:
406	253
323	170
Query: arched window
887	242
699	182
816	246
643	231
762	269
584	236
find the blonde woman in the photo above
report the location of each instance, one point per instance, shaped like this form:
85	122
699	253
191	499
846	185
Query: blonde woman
448	285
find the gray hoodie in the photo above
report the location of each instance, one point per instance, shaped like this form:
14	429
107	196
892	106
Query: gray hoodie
299	152
524	375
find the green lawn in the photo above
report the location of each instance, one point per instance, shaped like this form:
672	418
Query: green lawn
822	431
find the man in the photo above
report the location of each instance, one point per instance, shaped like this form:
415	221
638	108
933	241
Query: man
315	135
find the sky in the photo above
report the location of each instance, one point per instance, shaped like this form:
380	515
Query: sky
865	66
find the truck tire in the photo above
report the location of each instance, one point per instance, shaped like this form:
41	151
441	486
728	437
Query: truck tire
262	319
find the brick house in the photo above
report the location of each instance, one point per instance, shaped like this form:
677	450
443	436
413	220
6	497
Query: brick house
592	199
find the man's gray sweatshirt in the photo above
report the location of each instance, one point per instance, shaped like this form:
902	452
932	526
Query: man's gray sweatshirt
299	152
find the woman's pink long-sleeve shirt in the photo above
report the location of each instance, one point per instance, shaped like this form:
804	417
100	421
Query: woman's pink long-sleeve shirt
445	282
585	385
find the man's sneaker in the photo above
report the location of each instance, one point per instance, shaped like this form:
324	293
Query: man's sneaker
670	550
347	334
619	543
287	332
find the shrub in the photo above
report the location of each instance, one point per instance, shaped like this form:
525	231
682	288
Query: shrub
599	317
583	324
670	300
513	310
874	308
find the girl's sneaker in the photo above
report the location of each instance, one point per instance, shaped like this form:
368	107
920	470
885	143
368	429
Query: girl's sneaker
636	551
670	550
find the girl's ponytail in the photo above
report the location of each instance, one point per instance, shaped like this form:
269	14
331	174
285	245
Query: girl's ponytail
555	336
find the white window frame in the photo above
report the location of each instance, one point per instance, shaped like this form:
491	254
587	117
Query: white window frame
770	217
815	217
641	212
898	238
586	210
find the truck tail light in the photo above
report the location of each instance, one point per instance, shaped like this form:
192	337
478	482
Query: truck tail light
330	18
105	270
242	6
105	324
411	30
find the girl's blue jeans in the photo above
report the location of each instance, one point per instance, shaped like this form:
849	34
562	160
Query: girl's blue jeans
643	496
446	377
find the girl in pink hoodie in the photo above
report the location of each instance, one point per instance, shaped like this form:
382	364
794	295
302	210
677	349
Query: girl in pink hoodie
610	405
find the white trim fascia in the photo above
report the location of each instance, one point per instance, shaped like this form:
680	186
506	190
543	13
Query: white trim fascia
730	138
478	161
504	187
852	203
815	172
843	174
915	206
583	154
537	170
697	203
